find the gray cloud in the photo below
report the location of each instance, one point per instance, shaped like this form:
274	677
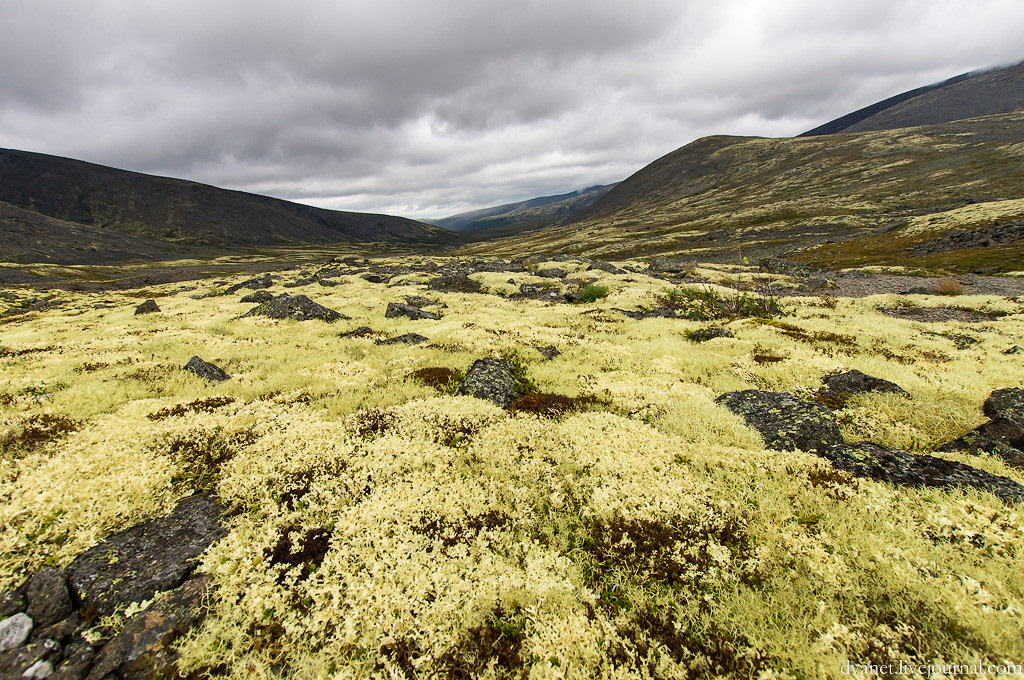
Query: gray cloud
428	108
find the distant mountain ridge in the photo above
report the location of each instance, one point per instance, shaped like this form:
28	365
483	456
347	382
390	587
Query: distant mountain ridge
183	213
970	95
529	214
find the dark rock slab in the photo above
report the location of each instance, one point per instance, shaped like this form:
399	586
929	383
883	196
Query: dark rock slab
601	265
419	301
396	309
11	603
1000	437
1006	403
147	307
841	386
330	283
361	332
490	379
30	661
254	284
900	467
144	648
60	631
298	283
1016	349
155	555
668	265
550	273
258	296
785	421
48	598
705	334
205	370
455	284
372	278
76	662
407	339
533	291
549	352
297	307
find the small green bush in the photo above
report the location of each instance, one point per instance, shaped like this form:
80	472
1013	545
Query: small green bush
707	304
592	293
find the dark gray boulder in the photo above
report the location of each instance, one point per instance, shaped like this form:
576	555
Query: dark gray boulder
900	467
258	296
144	648
490	379
603	266
34	660
1006	403
842	386
785	421
705	334
396	309
299	283
147	307
254	284
533	291
205	370
372	278
459	283
11	603
76	661
550	273
297	307
48	598
999	437
407	339
152	556
668	265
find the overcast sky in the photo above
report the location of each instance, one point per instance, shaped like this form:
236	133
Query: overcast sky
426	108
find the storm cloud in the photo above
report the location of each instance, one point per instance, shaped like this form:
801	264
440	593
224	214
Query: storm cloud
429	107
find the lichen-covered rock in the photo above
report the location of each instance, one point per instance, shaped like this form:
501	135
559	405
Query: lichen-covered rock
14	631
900	467
454	284
147	307
999	437
1006	403
299	283
76	661
490	379
841	386
206	370
396	309
297	307
550	273
11	603
144	648
603	266
785	421
668	265
48	597
254	283
705	334
155	555
407	339
258	297
30	661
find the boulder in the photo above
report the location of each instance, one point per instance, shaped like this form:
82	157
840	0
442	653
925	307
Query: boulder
785	421
842	386
144	648
603	266
360	332
705	334
396	309
1006	403
205	370
455	284
550	273
407	339
155	555
255	283
297	307
900	467
299	283
1000	437
147	307
668	265
48	598
11	603
549	352
258	296
490	379
372	278
30	661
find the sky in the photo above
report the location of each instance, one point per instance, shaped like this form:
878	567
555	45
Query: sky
426	108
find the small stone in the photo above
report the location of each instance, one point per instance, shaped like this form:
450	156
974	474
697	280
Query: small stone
1016	349
396	309
549	352
147	307
14	631
255	283
205	370
40	669
11	603
360	332
48	597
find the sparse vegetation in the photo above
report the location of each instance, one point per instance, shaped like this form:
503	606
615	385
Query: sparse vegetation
592	293
949	286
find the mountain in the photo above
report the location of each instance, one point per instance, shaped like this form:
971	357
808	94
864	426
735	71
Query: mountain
970	95
174	214
534	213
726	198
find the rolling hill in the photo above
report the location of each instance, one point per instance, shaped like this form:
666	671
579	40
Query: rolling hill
173	214
533	213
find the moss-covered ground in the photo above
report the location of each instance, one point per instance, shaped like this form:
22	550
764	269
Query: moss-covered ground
380	526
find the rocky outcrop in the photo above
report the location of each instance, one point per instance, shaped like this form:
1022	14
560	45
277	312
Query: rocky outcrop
459	283
490	379
258	297
784	421
407	339
396	309
256	283
147	307
841	386
1002	435
1006	403
900	467
206	370
298	307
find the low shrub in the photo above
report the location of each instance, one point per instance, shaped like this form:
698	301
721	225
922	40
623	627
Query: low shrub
592	293
948	286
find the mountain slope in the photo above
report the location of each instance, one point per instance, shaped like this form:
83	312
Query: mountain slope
182	211
970	95
730	197
530	214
